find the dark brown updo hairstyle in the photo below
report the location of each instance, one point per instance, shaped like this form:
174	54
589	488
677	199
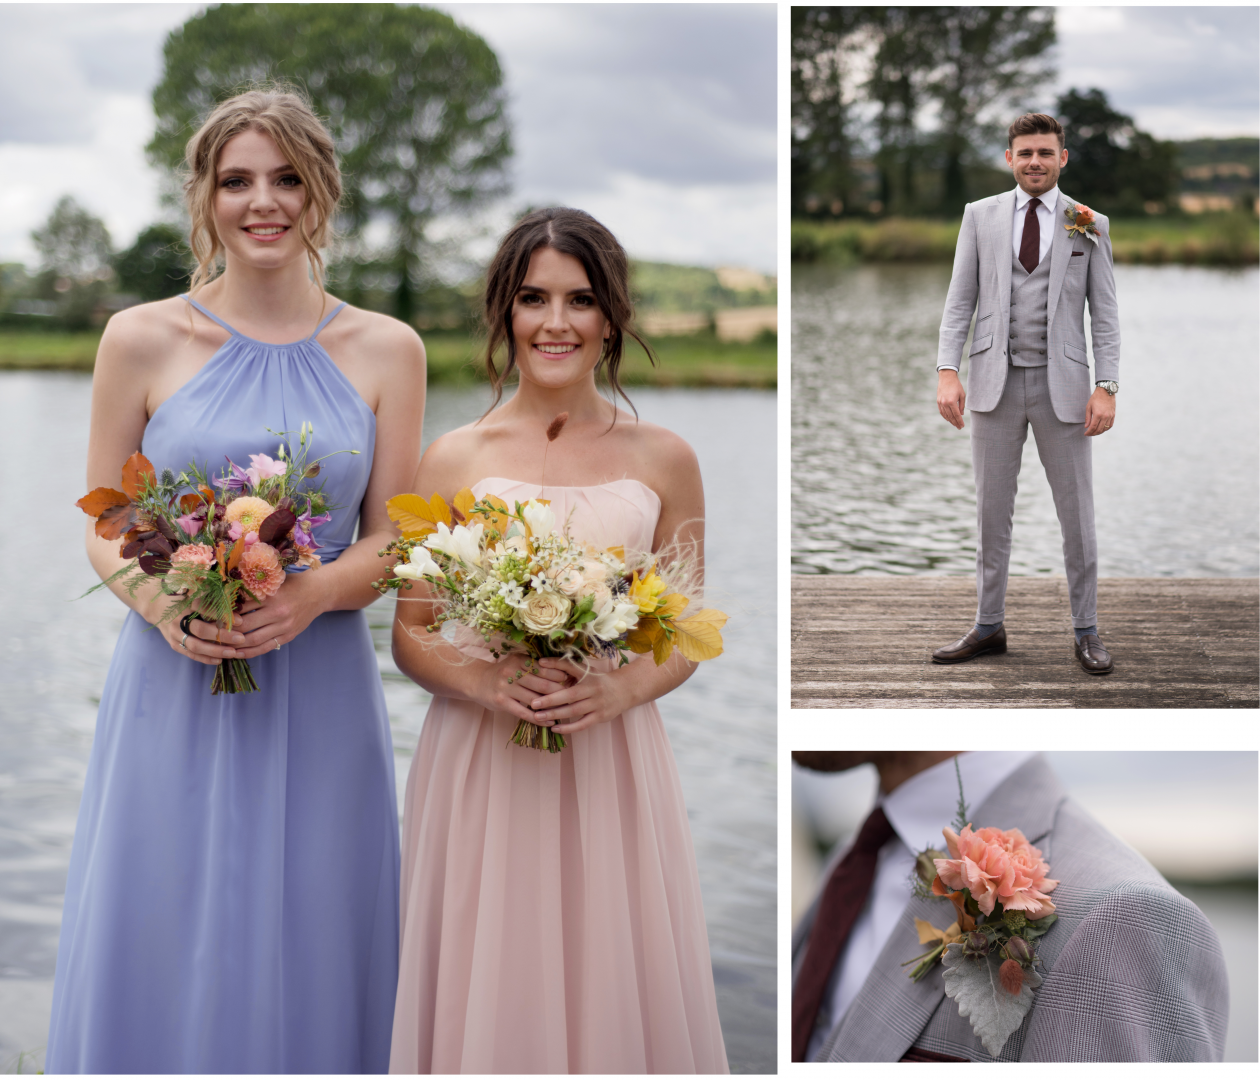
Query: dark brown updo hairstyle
570	232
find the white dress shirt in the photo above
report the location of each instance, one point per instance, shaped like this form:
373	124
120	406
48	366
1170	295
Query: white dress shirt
917	810
1045	219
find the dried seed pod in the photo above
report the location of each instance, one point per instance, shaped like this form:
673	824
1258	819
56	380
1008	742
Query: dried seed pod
1011	976
976	944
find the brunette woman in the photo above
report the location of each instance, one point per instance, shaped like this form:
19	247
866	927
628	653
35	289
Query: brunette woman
232	897
551	911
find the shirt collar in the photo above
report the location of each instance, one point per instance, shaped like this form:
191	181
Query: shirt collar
923	805
1049	200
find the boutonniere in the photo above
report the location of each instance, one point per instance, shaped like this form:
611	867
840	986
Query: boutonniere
1081	222
997	883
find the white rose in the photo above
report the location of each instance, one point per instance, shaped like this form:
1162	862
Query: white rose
570	581
463	543
614	619
420	565
544	612
538	517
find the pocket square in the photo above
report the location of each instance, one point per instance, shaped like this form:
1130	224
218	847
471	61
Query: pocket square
1076	253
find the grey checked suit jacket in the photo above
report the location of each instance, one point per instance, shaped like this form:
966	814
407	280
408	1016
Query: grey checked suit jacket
981	284
1133	971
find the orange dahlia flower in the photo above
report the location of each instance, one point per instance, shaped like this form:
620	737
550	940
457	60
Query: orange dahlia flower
261	571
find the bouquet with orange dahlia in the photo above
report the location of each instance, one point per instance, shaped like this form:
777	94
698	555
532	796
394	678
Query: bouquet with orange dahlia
214	550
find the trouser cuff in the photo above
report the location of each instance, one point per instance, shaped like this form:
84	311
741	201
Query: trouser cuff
1081	623
1000	617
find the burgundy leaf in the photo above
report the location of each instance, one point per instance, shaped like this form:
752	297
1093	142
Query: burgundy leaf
277	524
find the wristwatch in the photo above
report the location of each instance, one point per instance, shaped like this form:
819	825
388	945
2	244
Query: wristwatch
1111	386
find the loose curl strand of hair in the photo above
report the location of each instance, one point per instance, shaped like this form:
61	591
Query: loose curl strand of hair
570	232
284	113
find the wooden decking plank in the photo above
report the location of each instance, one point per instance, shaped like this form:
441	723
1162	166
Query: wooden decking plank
865	642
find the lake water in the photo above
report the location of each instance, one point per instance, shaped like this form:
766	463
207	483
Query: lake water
54	655
882	485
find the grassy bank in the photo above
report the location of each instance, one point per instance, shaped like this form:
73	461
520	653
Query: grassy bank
454	358
1202	240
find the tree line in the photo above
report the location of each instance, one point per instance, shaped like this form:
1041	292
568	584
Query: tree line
902	111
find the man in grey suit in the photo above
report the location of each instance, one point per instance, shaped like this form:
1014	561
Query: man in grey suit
1132	970
1026	279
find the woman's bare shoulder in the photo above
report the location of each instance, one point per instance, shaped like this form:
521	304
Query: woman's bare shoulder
382	335
145	333
660	447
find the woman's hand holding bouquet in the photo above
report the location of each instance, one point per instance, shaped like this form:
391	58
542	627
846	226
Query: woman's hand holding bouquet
219	555
546	603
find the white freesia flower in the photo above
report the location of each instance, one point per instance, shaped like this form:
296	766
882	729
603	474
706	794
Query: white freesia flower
420	565
613	619
538	517
463	542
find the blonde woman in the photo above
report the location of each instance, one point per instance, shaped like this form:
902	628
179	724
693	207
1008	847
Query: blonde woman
232	896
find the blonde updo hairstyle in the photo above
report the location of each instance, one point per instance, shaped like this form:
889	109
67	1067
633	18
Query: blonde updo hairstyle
284	114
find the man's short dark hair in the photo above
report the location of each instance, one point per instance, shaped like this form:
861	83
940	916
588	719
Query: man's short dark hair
1034	123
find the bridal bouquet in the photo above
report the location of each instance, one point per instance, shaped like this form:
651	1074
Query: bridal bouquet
214	550
997	883
525	586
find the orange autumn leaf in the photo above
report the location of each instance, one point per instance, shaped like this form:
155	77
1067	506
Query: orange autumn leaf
464	501
115	521
619	552
206	494
189	503
136	467
100	499
233	559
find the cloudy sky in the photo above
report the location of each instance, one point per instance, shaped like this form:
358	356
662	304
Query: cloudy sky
657	118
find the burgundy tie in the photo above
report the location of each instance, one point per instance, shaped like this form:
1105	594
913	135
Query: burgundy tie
842	901
1030	243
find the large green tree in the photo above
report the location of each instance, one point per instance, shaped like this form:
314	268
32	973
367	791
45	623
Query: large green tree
415	103
74	262
987	60
822	143
156	265
1112	166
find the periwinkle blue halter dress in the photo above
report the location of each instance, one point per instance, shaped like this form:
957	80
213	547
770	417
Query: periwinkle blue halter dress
232	901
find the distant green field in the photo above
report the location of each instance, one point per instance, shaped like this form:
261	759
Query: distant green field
1203	239
698	360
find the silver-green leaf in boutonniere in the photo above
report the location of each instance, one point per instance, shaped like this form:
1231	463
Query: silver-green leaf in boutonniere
1081	222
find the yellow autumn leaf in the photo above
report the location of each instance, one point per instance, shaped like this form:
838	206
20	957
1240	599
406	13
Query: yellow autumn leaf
662	647
499	519
643	637
412	514
464	500
699	637
672	605
619	552
441	512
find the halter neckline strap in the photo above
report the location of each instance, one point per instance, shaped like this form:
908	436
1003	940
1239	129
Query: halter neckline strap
236	333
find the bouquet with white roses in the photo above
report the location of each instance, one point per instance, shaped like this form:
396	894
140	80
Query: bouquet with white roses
525	586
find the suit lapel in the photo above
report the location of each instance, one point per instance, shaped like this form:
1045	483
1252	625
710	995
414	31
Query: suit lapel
1003	229
1060	256
890	1012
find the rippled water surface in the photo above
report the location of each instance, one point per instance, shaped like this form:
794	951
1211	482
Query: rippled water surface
882	485
54	655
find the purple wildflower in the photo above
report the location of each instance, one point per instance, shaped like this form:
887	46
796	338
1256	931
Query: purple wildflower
305	526
237	480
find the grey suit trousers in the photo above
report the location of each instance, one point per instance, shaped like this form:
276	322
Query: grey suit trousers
997	442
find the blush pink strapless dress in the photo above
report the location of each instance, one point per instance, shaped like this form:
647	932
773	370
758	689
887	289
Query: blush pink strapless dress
551	911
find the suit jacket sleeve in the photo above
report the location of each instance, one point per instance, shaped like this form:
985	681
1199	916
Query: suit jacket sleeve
1104	314
1141	979
964	289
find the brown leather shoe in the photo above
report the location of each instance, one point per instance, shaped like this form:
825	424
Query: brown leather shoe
971	645
1093	657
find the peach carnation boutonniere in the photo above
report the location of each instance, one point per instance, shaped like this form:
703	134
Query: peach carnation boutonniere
1081	222
998	884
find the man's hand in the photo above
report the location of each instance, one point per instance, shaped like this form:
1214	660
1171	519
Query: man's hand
1100	412
951	398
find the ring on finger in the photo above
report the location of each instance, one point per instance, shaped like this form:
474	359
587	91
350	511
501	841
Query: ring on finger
182	641
277	641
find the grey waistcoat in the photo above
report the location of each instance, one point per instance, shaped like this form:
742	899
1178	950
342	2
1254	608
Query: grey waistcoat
1029	293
